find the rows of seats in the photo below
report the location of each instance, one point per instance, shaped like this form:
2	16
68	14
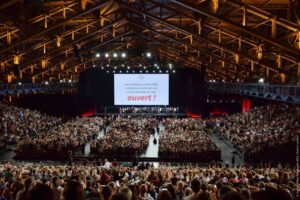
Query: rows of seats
186	140
271	129
126	137
18	123
60	140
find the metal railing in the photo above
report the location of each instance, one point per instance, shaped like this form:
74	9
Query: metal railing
27	88
287	93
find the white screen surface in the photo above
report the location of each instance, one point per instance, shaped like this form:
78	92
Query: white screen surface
141	89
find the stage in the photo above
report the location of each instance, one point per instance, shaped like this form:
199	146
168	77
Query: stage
145	114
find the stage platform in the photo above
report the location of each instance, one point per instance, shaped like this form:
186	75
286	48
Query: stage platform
145	114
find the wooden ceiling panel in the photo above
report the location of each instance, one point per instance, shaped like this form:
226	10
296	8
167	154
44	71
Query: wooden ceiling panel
235	39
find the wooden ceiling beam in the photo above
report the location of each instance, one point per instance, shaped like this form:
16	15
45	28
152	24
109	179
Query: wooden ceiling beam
39	33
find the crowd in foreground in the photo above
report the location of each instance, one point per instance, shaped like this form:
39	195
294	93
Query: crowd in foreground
185	139
111	181
270	127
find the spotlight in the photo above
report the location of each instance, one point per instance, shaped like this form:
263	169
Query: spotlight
120	71
140	65
70	80
159	71
123	55
114	71
115	67
238	80
128	67
146	71
102	67
107	71
115	55
94	65
133	71
127	71
122	65
173	71
46	82
60	81
261	80
155	65
170	66
106	55
148	54
97	55
153	71
19	83
145	67
140	71
107	65
167	71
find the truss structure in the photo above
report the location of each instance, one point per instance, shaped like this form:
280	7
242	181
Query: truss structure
234	39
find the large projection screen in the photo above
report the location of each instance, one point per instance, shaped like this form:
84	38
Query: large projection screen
141	89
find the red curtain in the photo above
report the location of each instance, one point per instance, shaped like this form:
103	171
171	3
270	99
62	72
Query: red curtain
246	105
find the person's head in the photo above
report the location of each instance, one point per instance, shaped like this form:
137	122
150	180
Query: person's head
164	195
126	192
54	182
171	189
106	192
233	196
28	184
113	186
2	190
187	191
246	194
41	192
94	196
202	196
180	185
195	185
224	190
143	189
277	194
118	196
73	190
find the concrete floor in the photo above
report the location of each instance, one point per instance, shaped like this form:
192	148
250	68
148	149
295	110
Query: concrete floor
226	150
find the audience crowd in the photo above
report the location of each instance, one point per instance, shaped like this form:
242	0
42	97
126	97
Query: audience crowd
149	110
125	138
261	128
112	181
58	141
185	139
18	123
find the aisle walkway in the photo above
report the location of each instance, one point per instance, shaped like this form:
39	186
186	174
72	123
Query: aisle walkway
87	148
152	150
226	150
7	155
